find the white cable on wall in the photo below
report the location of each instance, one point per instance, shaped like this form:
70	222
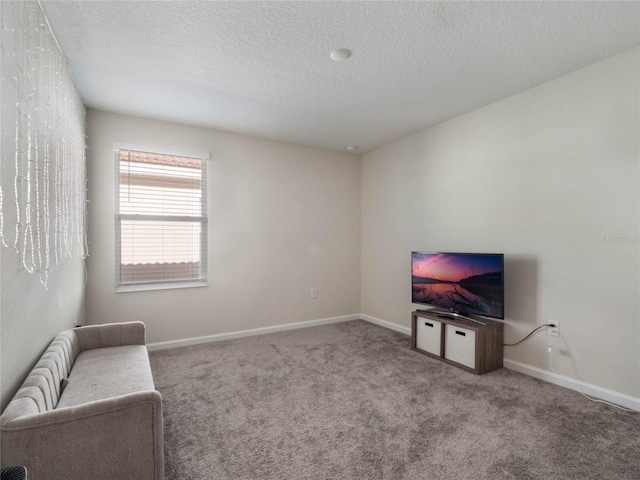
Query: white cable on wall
43	184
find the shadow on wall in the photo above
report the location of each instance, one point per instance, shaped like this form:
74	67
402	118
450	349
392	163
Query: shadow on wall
521	288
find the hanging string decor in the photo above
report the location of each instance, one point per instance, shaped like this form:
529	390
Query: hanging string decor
43	180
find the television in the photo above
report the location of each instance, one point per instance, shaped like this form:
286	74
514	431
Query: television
460	284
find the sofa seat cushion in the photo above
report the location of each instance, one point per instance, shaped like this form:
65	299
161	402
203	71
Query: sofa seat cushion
106	373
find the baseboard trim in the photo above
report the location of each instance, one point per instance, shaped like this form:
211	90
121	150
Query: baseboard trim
612	396
248	333
595	391
386	324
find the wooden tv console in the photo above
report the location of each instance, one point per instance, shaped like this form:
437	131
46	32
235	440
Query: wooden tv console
463	343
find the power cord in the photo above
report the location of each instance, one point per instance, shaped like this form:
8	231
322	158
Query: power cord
629	410
534	331
550	350
589	397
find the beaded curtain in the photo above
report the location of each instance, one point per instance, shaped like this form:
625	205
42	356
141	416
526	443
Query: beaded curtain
43	194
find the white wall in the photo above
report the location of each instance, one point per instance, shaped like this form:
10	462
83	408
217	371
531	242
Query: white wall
30	315
33	316
282	219
549	177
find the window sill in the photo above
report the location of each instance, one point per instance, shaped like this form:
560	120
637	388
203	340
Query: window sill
145	287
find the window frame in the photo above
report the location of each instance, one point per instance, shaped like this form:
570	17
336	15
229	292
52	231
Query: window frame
202	219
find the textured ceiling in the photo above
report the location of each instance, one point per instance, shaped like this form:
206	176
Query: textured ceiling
263	68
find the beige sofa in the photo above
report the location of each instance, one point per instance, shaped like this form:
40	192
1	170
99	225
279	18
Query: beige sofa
88	410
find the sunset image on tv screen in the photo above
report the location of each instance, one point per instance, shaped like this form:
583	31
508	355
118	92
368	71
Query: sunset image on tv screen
464	283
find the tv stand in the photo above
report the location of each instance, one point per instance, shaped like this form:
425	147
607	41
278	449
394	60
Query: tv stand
476	347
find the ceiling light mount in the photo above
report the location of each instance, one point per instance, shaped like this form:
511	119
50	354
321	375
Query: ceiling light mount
351	148
340	54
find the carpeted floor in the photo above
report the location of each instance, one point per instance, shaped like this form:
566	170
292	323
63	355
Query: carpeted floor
353	401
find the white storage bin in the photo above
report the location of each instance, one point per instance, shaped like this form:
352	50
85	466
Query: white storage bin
429	335
460	346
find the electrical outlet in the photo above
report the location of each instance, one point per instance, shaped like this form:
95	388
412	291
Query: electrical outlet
314	292
554	331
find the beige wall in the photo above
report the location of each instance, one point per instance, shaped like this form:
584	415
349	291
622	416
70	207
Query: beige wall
282	219
30	315
549	177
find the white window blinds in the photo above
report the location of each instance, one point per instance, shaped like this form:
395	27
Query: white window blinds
161	220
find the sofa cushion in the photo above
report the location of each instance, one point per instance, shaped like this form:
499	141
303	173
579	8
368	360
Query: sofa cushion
110	335
107	373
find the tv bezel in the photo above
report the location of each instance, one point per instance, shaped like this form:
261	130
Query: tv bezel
451	310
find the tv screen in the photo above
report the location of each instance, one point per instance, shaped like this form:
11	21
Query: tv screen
462	283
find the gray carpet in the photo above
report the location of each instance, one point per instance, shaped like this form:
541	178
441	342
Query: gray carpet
353	401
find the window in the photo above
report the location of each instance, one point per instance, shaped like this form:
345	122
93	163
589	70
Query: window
161	221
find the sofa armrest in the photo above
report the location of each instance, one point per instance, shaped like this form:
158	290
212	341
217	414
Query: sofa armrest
119	437
110	335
